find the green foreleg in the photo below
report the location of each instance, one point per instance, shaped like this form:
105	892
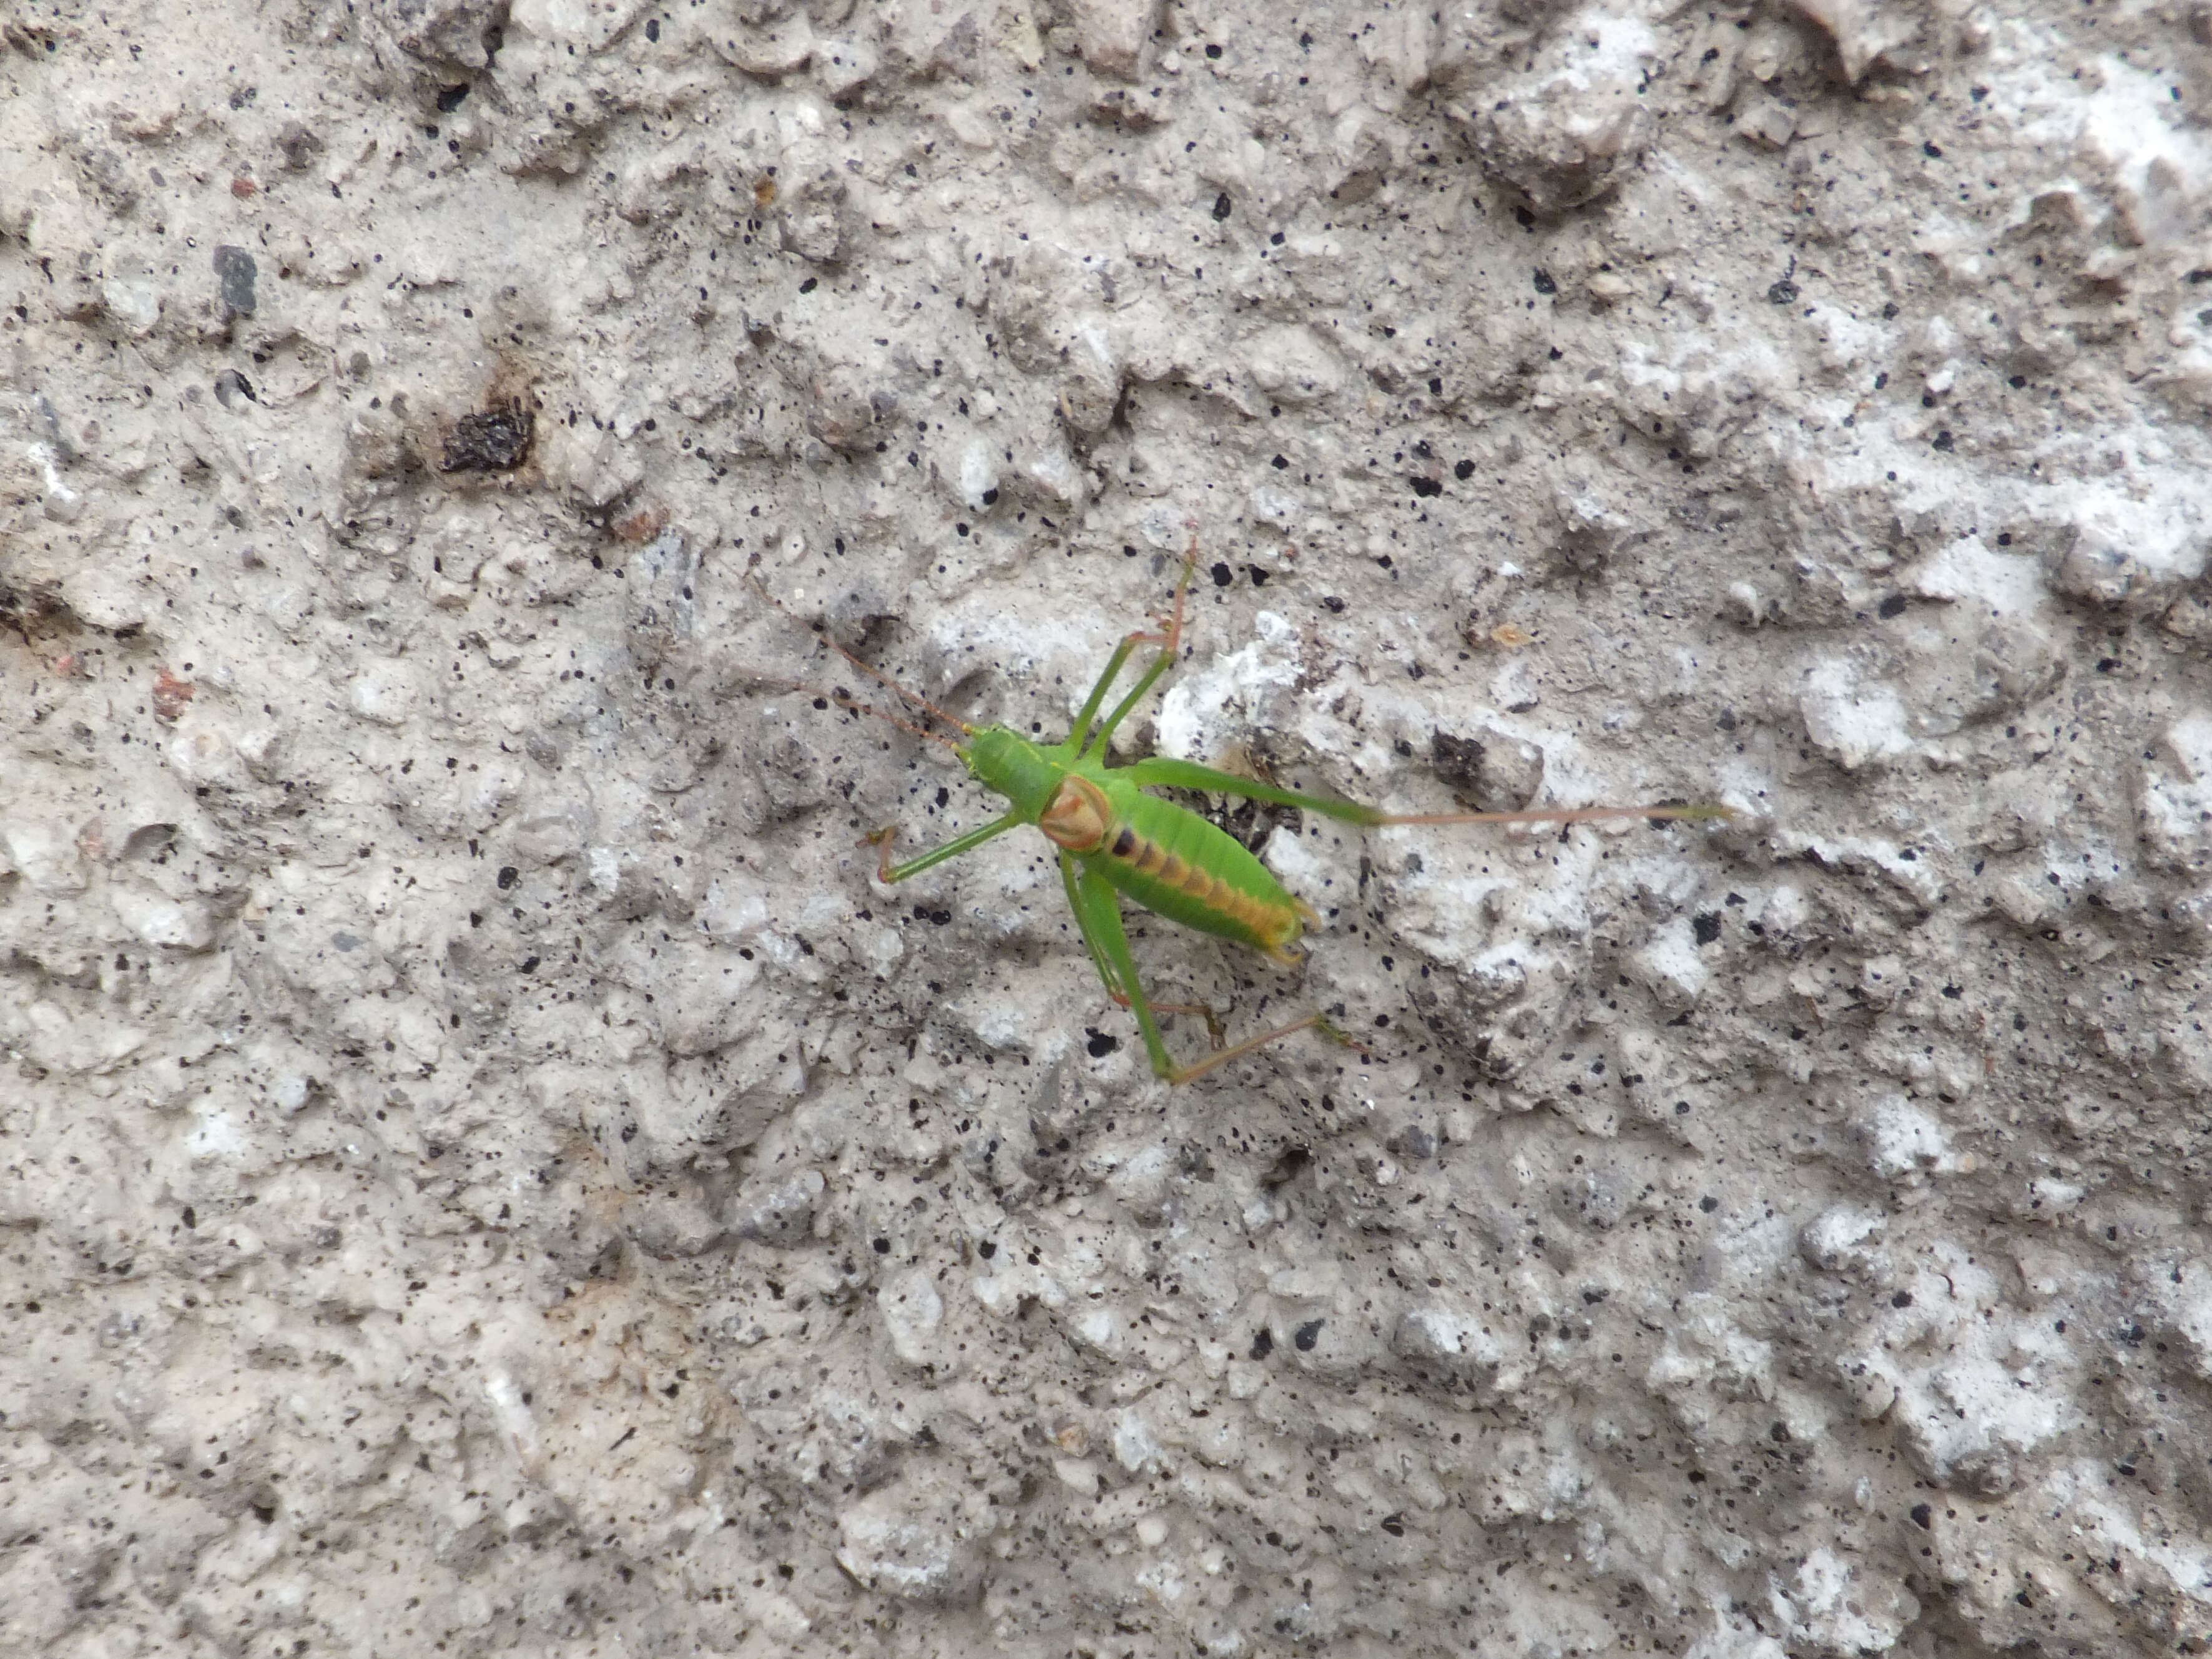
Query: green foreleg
1079	732
888	873
1105	733
1099	914
1097	909
1070	880
1113	991
1160	664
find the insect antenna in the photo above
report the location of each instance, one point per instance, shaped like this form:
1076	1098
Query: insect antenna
853	704
823	633
1697	813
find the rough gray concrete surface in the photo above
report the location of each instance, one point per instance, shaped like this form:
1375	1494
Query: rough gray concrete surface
484	1169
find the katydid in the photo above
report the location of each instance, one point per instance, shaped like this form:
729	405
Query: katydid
1114	840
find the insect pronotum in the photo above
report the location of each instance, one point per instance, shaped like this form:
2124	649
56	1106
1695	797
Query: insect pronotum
1114	840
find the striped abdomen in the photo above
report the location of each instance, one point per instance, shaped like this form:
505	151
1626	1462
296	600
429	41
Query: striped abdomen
1172	861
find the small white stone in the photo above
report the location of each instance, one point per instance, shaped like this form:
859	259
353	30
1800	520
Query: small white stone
385	698
584	26
1854	719
511	1411
979	472
672	1224
101	596
1099	1329
203	754
1270	504
135	303
905	1543
778	1616
843	63
1862	32
1135	1443
2188	744
1452	1341
885	951
1882	979
216	1132
1513	687
912	1311
1903	1142
778	1211
1291	365
44	855
1766	121
162	921
768	50
62	503
1562	132
1836	1238
1670	964
1078	1474
1111	34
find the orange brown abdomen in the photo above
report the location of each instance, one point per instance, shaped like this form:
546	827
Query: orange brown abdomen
1171	861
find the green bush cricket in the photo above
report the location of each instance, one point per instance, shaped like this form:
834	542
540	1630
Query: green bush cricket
1114	840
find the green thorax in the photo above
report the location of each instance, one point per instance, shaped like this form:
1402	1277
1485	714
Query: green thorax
1026	773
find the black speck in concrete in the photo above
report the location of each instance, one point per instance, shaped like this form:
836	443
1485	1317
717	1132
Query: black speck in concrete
230	386
235	269
495	440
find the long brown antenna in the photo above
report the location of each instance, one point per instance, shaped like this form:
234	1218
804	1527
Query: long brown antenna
874	673
856	706
1697	813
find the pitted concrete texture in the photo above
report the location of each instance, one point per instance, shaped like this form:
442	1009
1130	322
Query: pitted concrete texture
484	1167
